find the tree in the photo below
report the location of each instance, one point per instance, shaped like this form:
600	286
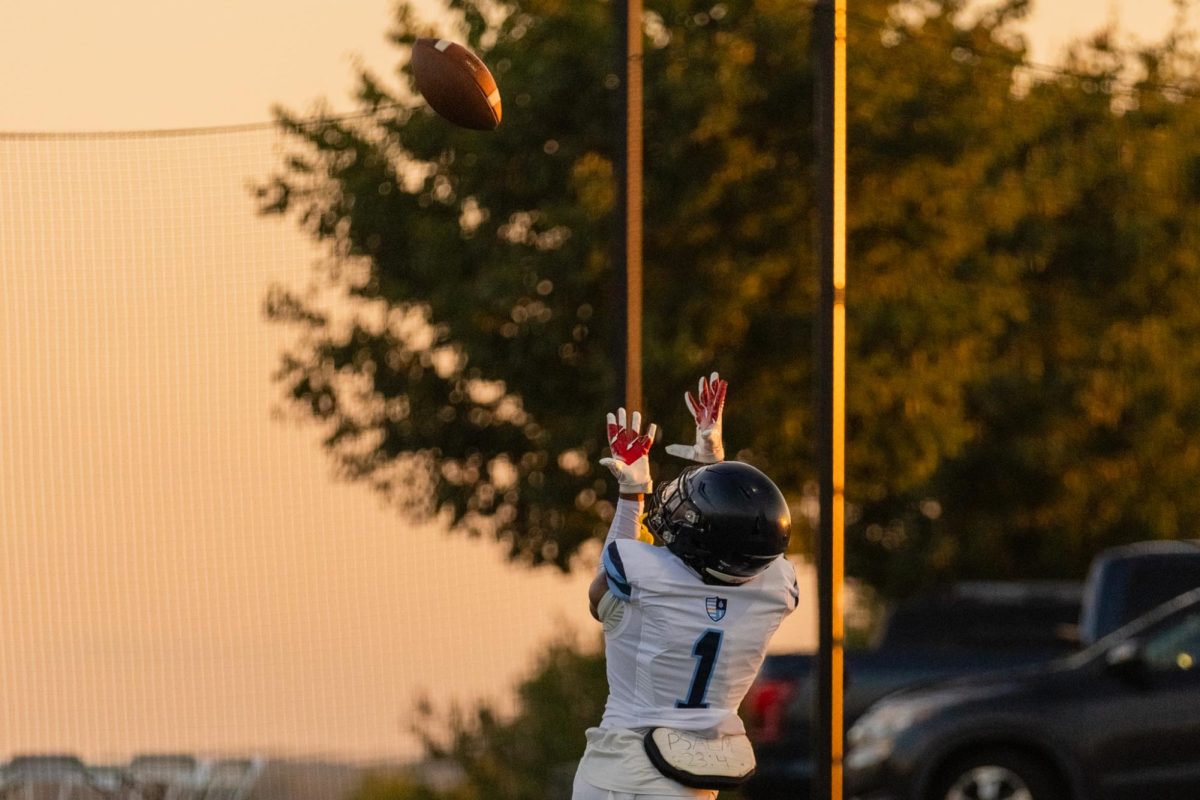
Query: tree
1086	418
465	369
1077	412
1020	325
391	786
532	753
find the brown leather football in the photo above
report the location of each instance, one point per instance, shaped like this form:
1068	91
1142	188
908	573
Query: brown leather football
456	84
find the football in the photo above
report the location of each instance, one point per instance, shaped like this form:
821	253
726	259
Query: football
456	84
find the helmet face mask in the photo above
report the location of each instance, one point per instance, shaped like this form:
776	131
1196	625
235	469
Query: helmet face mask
668	508
726	521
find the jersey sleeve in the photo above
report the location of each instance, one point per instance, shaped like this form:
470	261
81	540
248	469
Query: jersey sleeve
625	567
626	521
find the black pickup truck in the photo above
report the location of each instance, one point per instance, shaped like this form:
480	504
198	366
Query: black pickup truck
968	630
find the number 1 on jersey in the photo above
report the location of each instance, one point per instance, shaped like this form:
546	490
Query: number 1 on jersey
705	652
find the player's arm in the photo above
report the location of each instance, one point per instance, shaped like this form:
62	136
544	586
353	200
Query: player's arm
706	407
612	588
605	606
596	593
630	465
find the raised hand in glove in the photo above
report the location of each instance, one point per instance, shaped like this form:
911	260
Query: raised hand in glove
630	462
706	408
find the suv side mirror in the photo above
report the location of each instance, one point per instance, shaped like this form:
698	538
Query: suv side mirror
1126	659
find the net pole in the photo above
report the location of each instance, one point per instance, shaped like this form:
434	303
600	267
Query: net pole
829	56
633	205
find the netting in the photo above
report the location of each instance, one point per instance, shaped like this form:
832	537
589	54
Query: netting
178	568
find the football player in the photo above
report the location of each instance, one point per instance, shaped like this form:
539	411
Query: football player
686	623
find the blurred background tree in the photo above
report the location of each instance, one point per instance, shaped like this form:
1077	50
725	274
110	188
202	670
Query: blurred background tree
470	377
1022	252
391	786
529	754
1069	422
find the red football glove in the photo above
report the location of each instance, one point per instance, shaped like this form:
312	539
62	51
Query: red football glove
630	462
706	410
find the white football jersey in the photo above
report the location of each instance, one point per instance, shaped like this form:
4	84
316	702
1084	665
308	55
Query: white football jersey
684	653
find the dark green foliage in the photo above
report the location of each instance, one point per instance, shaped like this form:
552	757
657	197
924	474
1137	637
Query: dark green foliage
388	786
533	753
494	250
1058	326
1022	279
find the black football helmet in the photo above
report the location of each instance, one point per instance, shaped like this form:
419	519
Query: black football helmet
727	521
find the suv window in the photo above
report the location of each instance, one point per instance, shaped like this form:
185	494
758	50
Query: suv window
1155	581
1177	648
1130	581
979	619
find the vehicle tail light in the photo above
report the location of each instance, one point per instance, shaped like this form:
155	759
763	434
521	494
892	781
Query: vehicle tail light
764	709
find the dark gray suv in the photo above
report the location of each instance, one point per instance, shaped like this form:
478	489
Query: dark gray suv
1117	721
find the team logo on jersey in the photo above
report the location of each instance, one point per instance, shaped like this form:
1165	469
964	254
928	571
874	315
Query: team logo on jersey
715	606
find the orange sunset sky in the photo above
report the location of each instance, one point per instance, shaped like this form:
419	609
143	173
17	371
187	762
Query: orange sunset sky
178	570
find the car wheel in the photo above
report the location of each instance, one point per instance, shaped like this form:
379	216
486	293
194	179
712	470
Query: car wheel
996	775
